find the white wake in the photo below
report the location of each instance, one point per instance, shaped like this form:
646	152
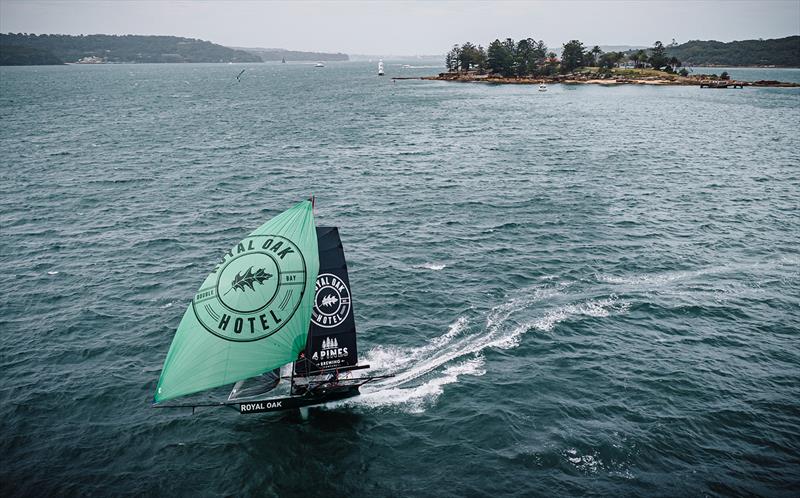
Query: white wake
433	266
421	373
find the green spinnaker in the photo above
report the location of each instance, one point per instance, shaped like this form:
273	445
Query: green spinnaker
252	312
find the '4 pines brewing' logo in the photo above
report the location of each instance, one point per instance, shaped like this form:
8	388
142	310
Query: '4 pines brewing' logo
254	291
330	351
331	301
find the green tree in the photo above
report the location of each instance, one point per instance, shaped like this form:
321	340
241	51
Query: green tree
610	59
451	59
494	57
467	56
480	59
511	47
658	55
572	56
592	57
638	58
522	55
500	58
550	65
540	52
529	56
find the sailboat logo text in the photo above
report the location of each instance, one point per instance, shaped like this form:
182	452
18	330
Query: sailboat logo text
254	291
261	406
330	351
331	301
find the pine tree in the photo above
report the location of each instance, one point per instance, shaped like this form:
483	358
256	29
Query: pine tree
572	56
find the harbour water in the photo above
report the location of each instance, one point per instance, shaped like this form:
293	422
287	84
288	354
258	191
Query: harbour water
588	290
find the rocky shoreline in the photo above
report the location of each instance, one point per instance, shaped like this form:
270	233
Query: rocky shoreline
598	79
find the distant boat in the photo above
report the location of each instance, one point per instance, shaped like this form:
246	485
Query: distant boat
542	87
93	59
319	64
380	67
283	60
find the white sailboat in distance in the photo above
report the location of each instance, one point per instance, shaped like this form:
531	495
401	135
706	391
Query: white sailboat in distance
380	67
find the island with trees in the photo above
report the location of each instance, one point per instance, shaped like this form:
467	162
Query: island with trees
530	61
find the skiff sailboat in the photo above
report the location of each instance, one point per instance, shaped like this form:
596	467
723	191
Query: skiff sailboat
380	67
279	298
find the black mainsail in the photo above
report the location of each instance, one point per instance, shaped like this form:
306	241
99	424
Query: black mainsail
331	340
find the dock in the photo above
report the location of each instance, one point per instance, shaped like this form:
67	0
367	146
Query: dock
722	84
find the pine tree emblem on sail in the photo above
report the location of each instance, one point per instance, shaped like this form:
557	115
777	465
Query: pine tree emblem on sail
331	301
254	290
330	343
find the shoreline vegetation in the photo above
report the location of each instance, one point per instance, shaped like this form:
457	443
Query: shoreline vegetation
529	61
27	49
591	76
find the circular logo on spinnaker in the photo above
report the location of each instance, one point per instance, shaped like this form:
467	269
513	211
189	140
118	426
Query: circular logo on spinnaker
254	291
331	301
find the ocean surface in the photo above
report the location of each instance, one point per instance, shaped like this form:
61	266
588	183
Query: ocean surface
587	290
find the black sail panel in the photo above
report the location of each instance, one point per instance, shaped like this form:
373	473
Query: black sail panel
332	334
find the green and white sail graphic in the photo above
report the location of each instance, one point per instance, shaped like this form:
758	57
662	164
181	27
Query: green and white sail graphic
252	313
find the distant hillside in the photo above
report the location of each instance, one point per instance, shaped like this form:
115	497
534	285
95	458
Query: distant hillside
276	54
777	52
620	48
13	55
426	58
114	48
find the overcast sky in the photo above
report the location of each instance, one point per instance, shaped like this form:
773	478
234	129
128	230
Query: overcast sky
405	28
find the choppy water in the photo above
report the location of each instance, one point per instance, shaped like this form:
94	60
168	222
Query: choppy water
588	290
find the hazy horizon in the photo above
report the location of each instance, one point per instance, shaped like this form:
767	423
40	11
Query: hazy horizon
408	28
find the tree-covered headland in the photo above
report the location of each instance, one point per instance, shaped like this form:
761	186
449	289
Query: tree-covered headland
28	48
782	52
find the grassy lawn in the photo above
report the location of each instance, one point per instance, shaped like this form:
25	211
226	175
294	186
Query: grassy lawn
638	73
